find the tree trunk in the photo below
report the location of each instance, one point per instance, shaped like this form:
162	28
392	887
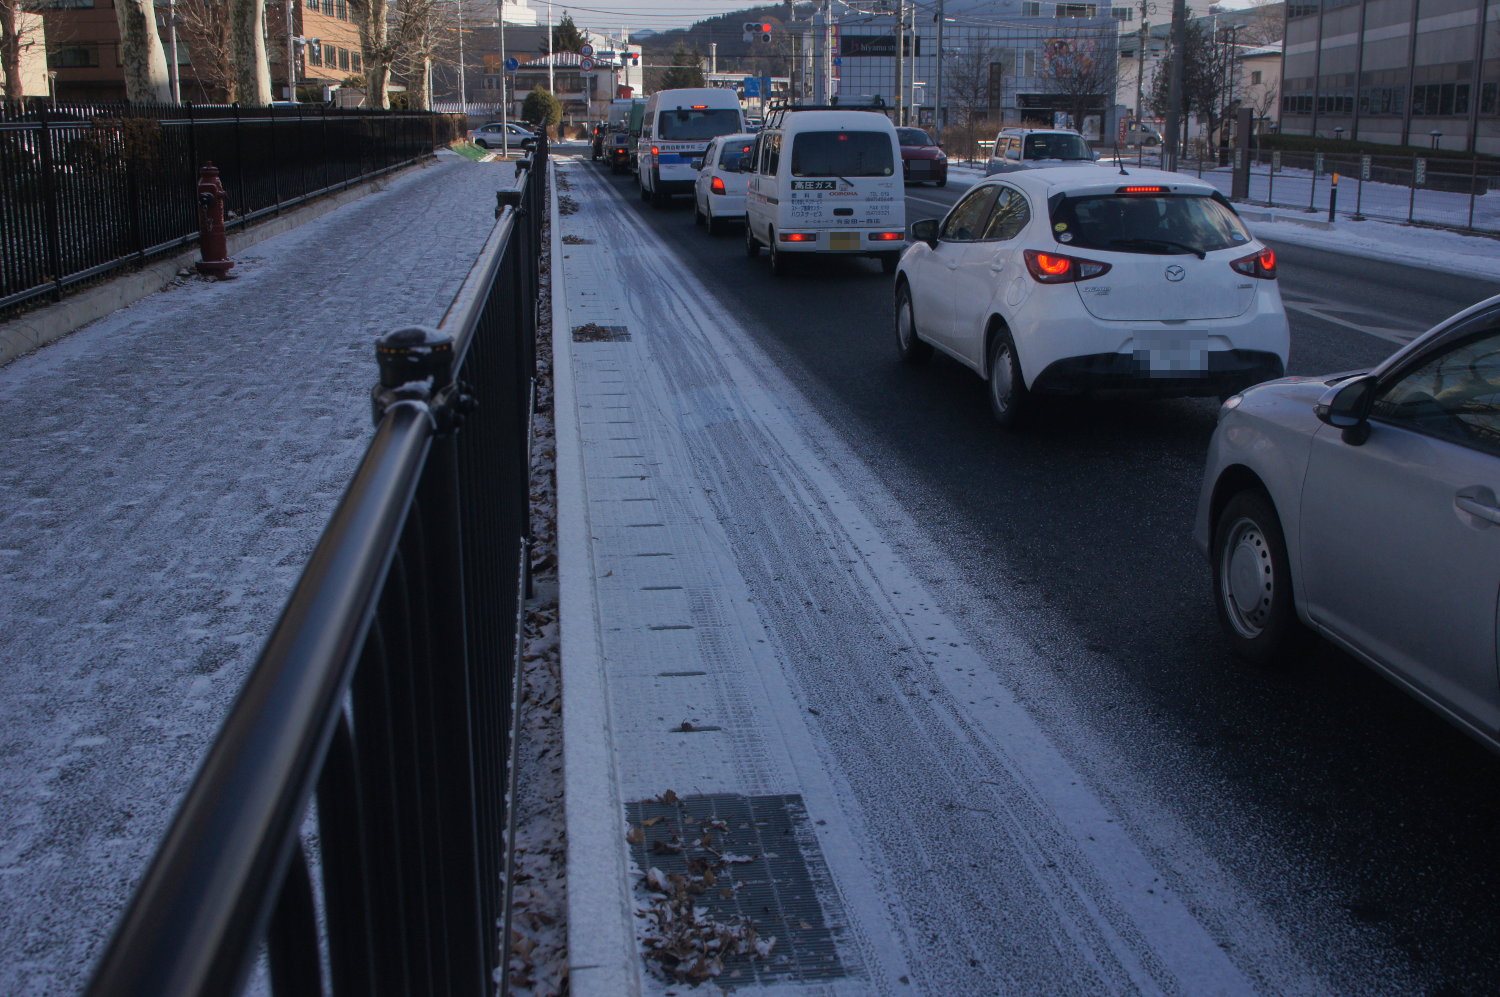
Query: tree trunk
252	76
10	49
374	38
142	59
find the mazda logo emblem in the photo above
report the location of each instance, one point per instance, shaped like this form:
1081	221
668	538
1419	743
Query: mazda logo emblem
1175	273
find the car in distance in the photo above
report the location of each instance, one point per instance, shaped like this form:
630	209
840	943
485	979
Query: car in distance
1362	506
719	193
493	135
617	151
1089	281
922	159
1037	148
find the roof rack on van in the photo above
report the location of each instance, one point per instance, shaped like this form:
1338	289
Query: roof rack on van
778	109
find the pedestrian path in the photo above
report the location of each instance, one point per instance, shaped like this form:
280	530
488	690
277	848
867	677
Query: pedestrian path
164	474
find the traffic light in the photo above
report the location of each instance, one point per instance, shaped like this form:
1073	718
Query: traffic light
765	33
749	30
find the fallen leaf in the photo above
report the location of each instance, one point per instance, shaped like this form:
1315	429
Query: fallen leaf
635	835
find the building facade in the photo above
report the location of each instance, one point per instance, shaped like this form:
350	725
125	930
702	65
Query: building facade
1422	73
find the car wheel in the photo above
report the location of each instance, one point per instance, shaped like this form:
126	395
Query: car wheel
942	183
645	194
1008	396
779	263
1253	581
752	248
912	348
714	227
481	143
697	211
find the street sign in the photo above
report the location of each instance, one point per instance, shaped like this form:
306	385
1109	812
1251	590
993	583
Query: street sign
1317	164
1364	167
584	65
1276	161
752	86
586	51
512	64
1421	179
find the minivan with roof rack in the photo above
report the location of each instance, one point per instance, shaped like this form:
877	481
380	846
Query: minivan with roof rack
825	179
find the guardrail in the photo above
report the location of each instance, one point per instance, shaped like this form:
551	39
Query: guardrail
86	190
350	818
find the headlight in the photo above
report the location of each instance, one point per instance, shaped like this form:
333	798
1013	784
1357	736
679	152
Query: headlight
1230	404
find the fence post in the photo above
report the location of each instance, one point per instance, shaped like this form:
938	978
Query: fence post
1473	188
1411	207
53	217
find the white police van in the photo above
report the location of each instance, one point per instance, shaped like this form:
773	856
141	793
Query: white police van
826	179
676	127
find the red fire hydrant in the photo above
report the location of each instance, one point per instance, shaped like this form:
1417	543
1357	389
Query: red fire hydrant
211	239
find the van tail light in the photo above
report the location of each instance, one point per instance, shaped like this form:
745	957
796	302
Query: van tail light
655	152
716	186
1054	268
1262	265
888	236
796	237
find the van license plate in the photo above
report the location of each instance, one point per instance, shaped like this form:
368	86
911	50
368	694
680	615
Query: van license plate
843	240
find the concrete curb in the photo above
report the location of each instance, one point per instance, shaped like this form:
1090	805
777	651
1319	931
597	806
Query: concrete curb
36	329
602	952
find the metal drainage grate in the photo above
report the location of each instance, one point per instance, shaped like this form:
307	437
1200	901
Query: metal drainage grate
777	891
592	333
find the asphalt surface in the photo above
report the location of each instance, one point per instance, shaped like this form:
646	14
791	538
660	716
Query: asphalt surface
1367	823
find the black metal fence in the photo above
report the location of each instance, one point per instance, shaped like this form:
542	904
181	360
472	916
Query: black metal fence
88	189
1440	190
350	818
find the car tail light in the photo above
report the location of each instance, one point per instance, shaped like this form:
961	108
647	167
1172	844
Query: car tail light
1141	190
887	236
796	237
1054	268
716	185
1262	265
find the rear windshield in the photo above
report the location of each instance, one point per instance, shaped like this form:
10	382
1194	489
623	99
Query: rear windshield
842	154
684	124
912	136
1153	224
733	153
1056	147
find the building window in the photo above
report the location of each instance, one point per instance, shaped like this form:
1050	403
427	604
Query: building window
344	59
1076	10
354	59
341	9
1031	9
1123	13
1300	10
1255	76
74	57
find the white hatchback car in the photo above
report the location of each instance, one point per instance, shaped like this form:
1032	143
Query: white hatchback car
1365	506
719	191
1080	280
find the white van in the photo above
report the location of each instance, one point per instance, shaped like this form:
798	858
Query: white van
675	129
826	180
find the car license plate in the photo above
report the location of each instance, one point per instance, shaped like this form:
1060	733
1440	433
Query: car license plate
843	240
1169	360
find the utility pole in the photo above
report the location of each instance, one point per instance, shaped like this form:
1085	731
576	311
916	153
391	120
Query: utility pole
1147	8
291	54
820	44
551	75
713	57
900	62
937	111
504	99
1174	94
463	89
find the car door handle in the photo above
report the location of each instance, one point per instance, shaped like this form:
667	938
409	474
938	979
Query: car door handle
1474	507
997	266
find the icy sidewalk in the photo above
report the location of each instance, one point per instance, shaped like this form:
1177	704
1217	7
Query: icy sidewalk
782	741
164	473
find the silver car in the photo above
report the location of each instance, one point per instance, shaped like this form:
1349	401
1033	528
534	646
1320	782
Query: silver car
1363	506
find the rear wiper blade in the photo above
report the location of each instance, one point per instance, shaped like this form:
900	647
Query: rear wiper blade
1167	243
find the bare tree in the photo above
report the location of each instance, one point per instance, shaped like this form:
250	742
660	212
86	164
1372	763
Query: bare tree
205	26
1265	25
20	30
142	60
420	26
973	89
375	42
1080	66
247	36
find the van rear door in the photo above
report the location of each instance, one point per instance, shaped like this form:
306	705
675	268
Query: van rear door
845	179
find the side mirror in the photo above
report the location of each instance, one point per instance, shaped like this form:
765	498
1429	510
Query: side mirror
696	164
926	231
1096	155
1346	406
